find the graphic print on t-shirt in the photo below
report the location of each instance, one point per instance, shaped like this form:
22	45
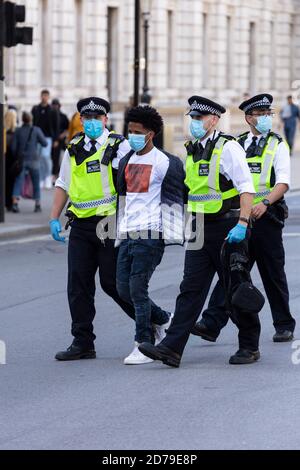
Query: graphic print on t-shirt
138	177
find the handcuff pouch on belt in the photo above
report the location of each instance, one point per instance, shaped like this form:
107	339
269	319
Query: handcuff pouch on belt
278	213
70	215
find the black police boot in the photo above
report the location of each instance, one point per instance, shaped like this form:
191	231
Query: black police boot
160	353
199	329
283	336
244	356
73	353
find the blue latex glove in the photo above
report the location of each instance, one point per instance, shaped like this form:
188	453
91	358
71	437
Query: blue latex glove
237	234
55	229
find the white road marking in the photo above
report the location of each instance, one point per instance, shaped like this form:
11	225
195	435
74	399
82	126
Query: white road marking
291	234
27	240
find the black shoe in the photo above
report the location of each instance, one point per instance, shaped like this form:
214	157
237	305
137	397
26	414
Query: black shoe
73	353
37	208
160	353
244	356
15	209
283	336
199	329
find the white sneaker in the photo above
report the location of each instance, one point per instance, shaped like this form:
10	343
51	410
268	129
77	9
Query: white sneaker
160	330
136	357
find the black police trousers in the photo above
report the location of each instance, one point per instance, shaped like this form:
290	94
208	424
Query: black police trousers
86	255
199	270
266	249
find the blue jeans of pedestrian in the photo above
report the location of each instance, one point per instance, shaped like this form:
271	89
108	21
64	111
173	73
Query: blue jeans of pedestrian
137	261
290	131
35	177
45	159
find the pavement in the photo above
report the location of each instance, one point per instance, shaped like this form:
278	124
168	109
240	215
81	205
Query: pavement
104	405
26	223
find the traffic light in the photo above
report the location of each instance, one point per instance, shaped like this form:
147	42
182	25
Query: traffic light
14	35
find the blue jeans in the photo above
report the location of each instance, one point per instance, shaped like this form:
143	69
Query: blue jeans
45	159
137	261
290	131
35	177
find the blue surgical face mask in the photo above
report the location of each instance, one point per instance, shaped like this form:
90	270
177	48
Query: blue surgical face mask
264	124
93	128
137	141
197	129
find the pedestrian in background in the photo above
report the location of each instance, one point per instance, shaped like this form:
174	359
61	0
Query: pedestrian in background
75	126
60	144
47	119
289	115
25	146
10	124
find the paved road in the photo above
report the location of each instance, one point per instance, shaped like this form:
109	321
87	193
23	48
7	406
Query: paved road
102	404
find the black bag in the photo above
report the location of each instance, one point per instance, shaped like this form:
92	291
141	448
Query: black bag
17	165
247	298
241	295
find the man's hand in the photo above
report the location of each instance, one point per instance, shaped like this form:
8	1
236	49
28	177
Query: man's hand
237	234
259	210
55	228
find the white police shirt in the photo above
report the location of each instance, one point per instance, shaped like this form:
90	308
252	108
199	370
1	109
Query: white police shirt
281	163
233	165
64	178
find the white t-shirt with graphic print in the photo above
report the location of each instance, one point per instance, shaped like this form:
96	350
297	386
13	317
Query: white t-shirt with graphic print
144	176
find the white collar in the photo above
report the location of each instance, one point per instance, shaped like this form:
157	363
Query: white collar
212	135
101	140
251	135
145	154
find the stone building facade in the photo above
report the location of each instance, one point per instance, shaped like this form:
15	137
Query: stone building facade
217	48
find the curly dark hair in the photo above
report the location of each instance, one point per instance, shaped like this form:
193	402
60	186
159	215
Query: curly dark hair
147	116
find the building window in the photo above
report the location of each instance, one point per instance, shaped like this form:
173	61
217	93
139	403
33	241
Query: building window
229	52
252	58
112	53
78	43
273	55
9	66
292	49
45	44
170	58
205	55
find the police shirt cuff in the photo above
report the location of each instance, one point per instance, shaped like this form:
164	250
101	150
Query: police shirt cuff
246	188
61	184
283	181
